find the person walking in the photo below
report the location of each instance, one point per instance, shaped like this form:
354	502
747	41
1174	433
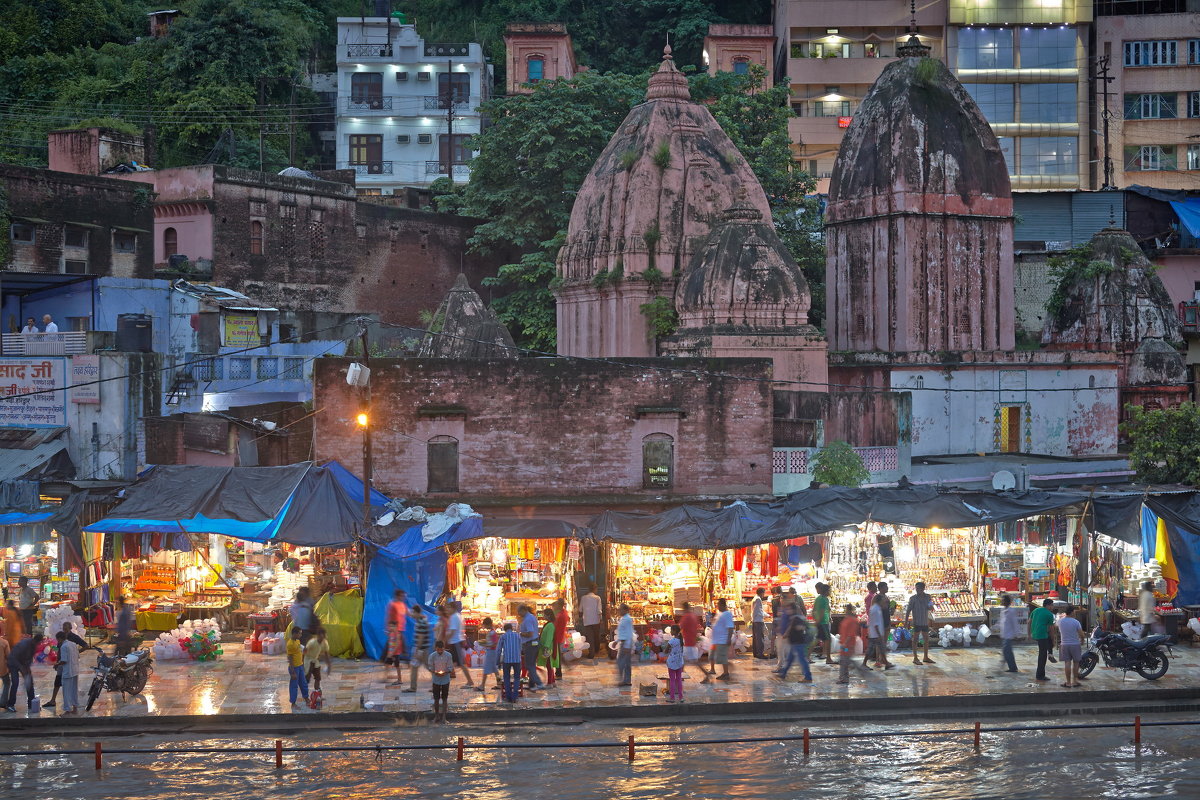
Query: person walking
868	604
488	639
441	666
125	627
1147	605
918	608
722	635
456	643
546	647
420	649
5	679
14	625
823	619
689	633
316	652
1070	647
27	602
297	683
625	644
849	630
1009	630
797	639
675	661
783	622
592	620
395	620
530	643
561	623
304	617
58	675
758	627
876	631
68	657
1040	622
508	648
778	649
20	664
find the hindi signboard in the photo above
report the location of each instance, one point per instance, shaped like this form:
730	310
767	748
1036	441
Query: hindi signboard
241	330
85	371
24	399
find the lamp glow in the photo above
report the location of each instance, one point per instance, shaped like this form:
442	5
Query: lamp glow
362	420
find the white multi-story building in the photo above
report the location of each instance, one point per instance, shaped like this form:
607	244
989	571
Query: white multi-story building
405	107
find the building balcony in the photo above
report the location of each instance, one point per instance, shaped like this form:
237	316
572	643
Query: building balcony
369	52
843	72
367	168
67	343
365	105
442	103
462	172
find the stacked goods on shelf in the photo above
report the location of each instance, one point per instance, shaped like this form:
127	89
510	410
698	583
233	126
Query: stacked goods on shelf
154	579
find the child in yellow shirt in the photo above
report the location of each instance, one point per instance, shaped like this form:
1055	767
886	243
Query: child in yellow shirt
295	657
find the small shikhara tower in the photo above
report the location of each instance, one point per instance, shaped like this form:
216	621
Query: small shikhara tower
919	223
648	204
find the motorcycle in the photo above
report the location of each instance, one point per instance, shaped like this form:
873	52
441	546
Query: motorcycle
125	674
1146	656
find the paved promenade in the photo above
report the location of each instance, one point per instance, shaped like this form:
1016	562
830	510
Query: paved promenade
248	684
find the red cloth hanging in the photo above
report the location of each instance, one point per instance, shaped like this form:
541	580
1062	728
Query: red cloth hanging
724	571
772	565
739	559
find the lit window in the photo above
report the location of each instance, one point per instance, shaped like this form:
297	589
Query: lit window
1193	156
985	48
1047	48
658	461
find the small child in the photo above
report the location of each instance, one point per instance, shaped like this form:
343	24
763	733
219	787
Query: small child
441	664
489	639
509	656
297	683
316	651
674	670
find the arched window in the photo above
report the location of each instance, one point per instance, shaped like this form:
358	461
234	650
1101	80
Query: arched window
170	242
741	65
442	464
256	238
658	461
535	69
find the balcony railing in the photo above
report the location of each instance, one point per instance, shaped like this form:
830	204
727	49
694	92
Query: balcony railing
440	101
368	167
67	343
445	49
461	170
368	51
368	103
798	460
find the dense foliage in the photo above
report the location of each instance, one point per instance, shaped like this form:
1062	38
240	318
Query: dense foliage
1164	443
836	464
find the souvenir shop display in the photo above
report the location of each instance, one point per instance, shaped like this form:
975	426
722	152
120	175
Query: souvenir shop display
493	577
947	562
650	579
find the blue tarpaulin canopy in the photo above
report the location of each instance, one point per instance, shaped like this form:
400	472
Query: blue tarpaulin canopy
1188	212
302	504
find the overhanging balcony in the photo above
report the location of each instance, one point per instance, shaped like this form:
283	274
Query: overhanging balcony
365	105
67	343
368	51
367	167
462	171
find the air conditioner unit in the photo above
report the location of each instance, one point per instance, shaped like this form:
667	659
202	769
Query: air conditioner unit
424	76
424	138
401	77
403	138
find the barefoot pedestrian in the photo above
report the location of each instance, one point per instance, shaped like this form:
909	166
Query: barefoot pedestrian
675	669
420	650
848	632
1008	631
1070	647
441	666
919	606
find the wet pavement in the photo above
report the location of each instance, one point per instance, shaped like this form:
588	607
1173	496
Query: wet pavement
249	683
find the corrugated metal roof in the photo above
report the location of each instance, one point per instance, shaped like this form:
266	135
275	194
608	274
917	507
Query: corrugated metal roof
16	463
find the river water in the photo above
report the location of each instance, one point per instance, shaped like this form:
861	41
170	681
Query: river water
1038	765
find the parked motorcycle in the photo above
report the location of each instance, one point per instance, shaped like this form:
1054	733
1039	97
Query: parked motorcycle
125	674
1147	657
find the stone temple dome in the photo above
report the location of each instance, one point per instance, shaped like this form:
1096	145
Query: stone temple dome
919	221
743	277
464	327
648	203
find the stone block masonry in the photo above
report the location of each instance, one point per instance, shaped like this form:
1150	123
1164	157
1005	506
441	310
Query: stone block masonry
556	429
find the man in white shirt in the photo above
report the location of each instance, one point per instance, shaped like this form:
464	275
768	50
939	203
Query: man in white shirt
1146	607
30	326
758	624
591	620
454	632
1070	646
68	656
625	642
875	630
722	637
48	324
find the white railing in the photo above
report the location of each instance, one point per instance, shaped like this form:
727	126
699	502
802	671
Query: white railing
67	343
798	460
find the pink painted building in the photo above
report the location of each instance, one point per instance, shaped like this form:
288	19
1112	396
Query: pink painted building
536	52
733	48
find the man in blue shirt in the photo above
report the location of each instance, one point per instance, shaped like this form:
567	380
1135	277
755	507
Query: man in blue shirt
529	646
625	642
509	652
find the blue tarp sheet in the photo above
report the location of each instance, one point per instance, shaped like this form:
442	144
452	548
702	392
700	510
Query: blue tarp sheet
422	578
1189	214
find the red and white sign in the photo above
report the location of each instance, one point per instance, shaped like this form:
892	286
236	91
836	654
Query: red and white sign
844	122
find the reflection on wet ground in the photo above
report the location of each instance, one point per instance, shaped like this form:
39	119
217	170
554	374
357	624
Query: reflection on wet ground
1044	763
247	683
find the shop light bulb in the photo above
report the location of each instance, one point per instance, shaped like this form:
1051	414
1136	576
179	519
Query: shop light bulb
362	420
25	551
906	552
945	542
551	586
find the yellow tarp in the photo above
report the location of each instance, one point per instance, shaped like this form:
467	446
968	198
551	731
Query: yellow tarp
340	615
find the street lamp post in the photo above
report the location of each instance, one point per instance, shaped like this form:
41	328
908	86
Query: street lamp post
364	422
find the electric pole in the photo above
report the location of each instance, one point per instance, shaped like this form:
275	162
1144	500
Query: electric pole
1104	79
450	120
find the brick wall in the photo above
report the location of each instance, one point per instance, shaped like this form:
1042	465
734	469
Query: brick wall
101	206
554	429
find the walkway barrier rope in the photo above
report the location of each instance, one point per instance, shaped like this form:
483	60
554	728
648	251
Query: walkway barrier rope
460	745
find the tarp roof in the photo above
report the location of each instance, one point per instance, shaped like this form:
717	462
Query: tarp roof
411	544
302	504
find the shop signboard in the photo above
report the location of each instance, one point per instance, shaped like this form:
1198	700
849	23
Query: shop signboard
241	330
1035	556
20	379
844	122
85	371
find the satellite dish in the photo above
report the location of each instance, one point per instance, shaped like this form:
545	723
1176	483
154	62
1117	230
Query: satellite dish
1004	480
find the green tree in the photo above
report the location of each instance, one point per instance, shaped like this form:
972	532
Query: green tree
836	464
1164	443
